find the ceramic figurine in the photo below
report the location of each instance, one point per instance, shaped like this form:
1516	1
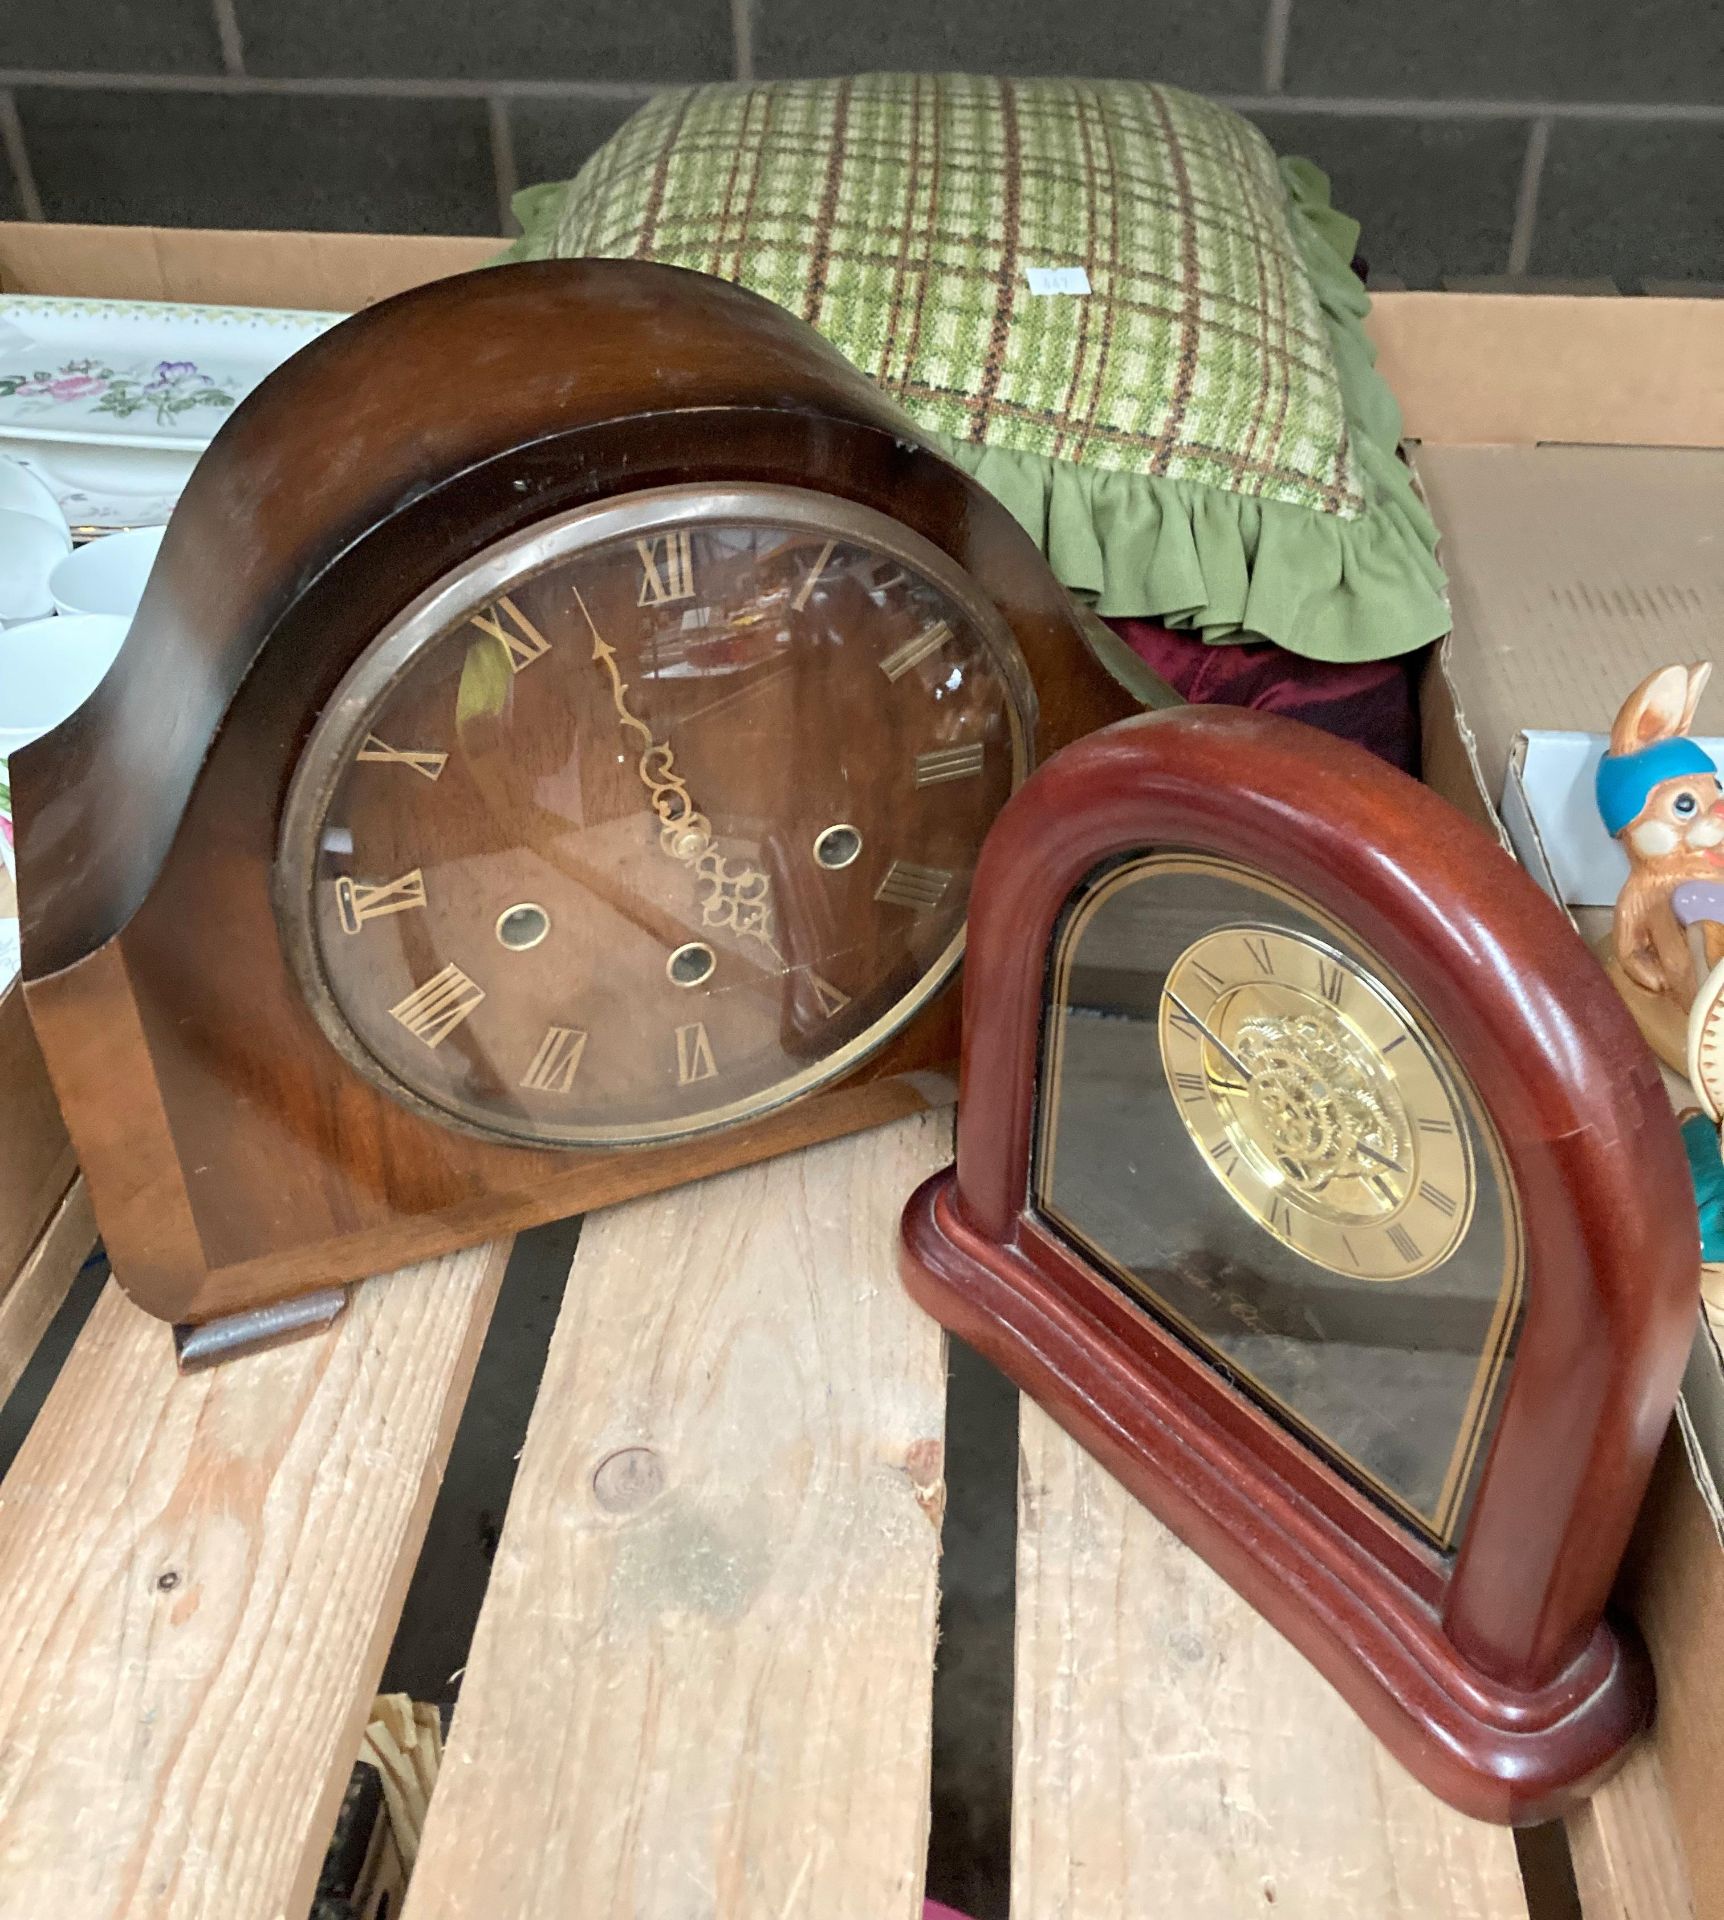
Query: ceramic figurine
1659	793
1700	1130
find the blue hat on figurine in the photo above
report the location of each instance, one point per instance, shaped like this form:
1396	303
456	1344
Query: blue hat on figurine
1625	780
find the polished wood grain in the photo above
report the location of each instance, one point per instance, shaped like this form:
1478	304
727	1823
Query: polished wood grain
234	1157
1492	1673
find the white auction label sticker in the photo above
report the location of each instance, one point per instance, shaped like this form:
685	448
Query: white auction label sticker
1057	279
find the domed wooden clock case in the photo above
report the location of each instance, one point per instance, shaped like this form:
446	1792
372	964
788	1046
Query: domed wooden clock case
548	763
1312	1174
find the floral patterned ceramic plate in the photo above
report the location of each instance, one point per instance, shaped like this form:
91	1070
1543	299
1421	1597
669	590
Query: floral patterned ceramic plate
136	374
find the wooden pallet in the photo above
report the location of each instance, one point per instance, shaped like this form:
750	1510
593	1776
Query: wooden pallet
701	1679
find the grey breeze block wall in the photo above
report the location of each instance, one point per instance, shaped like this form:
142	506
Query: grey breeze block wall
1569	139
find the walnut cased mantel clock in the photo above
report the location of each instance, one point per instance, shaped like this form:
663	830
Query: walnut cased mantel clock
548	763
1312	1174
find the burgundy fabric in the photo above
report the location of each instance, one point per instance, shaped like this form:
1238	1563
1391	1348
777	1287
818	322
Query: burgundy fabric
1373	703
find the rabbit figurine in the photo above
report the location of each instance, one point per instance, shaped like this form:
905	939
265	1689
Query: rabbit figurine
1660	794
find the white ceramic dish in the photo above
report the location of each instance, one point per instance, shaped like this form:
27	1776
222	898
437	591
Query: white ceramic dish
30	549
104	489
112	401
23	491
136	373
106	576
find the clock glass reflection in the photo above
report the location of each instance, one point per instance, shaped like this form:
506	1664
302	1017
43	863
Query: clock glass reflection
1247	1125
658	816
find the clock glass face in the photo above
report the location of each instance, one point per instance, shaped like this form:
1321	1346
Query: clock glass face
653	816
1249	1125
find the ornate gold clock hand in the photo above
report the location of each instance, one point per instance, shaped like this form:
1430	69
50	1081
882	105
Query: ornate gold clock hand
740	898
1215	1040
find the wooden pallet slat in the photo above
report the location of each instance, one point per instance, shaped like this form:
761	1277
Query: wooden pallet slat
1175	1755
701	1680
1627	1858
201	1577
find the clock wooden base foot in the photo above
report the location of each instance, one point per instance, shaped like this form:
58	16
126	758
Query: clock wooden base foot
1496	1752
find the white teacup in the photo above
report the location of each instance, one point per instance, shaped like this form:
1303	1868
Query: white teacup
30	549
22	491
107	576
48	669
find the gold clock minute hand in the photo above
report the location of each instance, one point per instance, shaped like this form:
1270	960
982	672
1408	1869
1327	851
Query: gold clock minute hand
740	897
1215	1040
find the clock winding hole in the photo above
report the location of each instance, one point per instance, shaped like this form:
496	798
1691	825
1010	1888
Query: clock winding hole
837	846
523	925
691	964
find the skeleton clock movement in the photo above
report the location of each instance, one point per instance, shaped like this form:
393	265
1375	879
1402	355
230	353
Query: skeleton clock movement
548	763
1312	1173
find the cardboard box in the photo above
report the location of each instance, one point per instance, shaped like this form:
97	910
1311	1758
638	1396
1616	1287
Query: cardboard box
1551	817
1575	571
1573	452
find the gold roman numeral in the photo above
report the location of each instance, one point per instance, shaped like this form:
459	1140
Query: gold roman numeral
522	641
908	886
429	764
432	1012
811	579
827	996
356	902
948	763
667	569
930	640
557	1062
694	1059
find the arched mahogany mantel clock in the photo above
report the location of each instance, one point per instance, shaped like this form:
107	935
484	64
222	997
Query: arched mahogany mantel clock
548	763
1312	1174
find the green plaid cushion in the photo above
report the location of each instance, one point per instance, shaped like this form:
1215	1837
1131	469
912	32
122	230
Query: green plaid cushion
1200	437
898	213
